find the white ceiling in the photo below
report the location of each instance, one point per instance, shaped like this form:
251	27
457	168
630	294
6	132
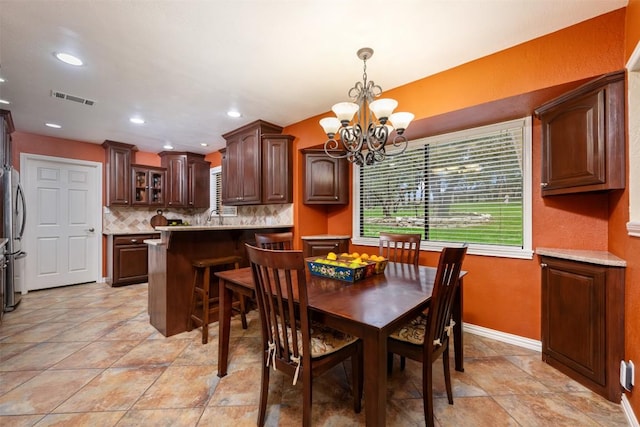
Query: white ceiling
182	64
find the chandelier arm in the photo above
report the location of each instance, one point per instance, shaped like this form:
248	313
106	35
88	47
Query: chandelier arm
330	147
399	141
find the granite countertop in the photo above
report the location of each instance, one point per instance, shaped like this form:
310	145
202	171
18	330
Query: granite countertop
591	257
326	237
221	227
127	232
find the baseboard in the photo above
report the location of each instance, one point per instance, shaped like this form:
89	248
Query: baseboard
102	280
628	411
503	336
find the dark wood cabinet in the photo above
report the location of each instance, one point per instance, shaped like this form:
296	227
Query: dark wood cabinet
148	185
6	129
583	322
321	245
277	169
249	176
187	179
583	138
326	179
127	258
118	172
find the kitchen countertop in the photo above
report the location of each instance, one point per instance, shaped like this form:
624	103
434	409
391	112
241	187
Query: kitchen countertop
220	227
591	257
127	232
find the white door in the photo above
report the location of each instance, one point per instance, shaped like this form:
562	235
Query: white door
64	221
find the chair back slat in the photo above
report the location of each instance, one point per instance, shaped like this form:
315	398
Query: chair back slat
400	247
444	289
275	241
281	293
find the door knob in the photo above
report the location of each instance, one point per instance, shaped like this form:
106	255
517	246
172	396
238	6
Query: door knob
91	230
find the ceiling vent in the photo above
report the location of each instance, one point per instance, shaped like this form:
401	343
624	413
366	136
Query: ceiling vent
66	96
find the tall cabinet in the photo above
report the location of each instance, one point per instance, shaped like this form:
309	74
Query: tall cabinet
187	179
118	172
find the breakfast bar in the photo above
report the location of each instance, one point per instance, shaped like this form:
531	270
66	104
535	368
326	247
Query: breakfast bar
170	265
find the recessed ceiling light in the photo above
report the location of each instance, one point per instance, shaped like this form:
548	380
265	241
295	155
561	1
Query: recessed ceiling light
4	101
168	147
2	80
234	114
137	120
53	125
67	58
204	144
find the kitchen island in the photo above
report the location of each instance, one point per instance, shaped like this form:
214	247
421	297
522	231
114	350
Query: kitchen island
171	271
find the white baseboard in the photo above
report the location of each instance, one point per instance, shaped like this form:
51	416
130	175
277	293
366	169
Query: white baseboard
503	336
628	411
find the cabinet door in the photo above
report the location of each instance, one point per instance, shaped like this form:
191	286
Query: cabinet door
326	179
118	171
573	317
157	183
176	180
277	185
250	167
583	140
140	188
198	184
130	263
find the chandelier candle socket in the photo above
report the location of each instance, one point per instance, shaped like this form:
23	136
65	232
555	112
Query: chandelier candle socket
373	124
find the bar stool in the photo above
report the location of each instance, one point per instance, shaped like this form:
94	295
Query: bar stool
206	297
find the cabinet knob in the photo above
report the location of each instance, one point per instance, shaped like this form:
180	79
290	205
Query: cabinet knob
543	265
543	184
134	240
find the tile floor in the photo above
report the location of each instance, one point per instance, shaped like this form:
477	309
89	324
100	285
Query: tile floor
87	355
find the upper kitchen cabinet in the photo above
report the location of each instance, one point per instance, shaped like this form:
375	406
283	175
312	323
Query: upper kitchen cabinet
249	176
148	185
118	172
277	168
583	138
187	183
6	129
326	179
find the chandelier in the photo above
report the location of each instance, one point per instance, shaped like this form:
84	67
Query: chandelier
372	126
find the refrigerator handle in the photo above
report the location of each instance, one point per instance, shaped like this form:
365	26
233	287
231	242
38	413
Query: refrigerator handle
20	196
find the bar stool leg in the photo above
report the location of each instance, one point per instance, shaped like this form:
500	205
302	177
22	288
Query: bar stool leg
206	285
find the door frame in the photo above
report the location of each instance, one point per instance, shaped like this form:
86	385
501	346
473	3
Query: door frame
96	213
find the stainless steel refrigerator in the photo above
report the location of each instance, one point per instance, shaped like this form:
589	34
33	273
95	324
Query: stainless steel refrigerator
15	212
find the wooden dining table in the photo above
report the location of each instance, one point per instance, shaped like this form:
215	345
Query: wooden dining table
370	309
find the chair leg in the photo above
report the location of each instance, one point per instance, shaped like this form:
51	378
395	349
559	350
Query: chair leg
427	391
243	312
357	372
389	363
206	285
403	362
447	374
264	391
306	396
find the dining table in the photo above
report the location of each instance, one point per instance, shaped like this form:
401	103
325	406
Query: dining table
371	309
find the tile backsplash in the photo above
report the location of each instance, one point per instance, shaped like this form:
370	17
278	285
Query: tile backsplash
127	219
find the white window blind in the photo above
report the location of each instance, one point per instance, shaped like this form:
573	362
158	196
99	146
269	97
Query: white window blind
215	194
471	186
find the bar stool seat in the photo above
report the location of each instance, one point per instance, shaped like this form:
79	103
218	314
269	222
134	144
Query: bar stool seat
204	299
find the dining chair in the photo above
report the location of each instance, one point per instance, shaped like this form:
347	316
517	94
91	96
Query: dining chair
404	248
426	337
400	247
276	241
292	343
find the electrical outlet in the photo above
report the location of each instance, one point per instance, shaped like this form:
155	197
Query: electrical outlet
627	375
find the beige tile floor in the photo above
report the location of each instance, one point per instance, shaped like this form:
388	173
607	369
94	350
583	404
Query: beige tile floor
87	355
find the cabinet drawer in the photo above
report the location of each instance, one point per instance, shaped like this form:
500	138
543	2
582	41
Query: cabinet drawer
134	239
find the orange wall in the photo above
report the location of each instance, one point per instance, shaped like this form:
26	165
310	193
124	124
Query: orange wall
500	293
620	242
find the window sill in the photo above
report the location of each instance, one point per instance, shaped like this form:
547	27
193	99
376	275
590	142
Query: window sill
474	249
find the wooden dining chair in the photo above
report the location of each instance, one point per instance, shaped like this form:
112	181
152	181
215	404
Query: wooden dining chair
291	343
275	241
400	247
426	338
404	248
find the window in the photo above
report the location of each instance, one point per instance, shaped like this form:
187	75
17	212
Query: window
215	194
471	186
633	98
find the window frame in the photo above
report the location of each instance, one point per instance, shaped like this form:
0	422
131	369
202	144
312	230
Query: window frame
526	252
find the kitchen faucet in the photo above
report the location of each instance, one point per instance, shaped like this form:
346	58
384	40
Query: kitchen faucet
217	212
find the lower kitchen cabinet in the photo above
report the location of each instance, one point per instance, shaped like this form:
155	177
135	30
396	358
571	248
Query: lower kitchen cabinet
323	244
127	258
583	320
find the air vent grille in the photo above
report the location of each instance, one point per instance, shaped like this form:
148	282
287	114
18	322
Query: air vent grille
68	97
